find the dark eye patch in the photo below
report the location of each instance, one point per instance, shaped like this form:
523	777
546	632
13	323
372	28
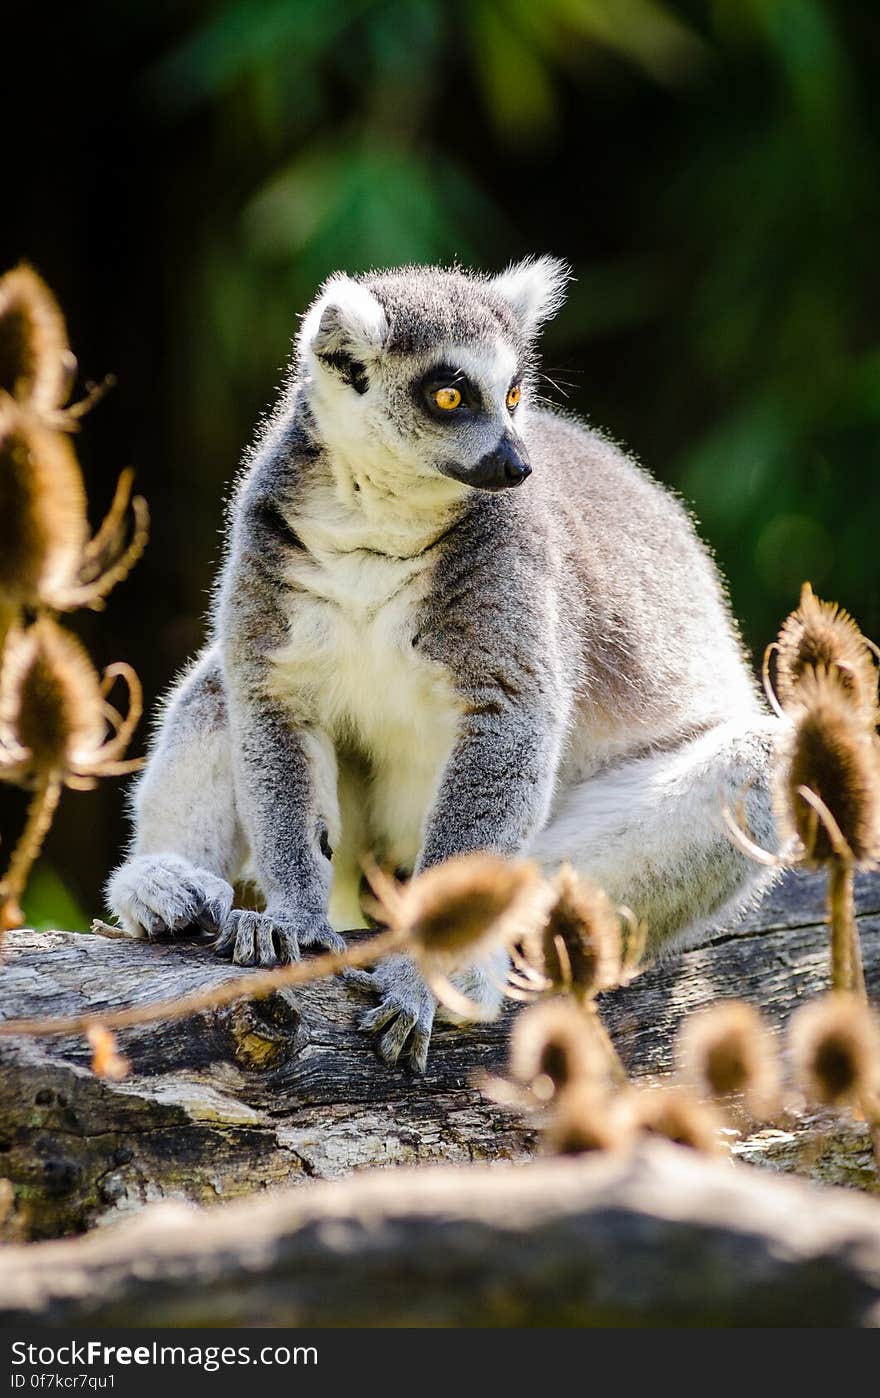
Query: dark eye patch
447	376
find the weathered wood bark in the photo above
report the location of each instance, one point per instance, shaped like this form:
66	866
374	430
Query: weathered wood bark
659	1238
284	1090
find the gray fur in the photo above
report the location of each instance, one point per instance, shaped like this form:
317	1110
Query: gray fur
406	666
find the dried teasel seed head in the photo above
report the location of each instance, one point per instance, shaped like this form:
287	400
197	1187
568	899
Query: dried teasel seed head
579	948
677	1116
51	703
835	1048
552	1046
36	365
460	910
836	757
107	1062
728	1050
582	1120
43	520
822	636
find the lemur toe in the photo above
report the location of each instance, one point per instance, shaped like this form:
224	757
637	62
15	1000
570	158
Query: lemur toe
418	1049
359	980
256	940
391	1044
404	1016
319	933
372	1020
272	939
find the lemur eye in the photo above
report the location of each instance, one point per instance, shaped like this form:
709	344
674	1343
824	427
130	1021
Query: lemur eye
448	399
513	396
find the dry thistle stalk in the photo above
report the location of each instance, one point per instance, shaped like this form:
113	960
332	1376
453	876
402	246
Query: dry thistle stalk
36	365
579	947
107	1062
551	1048
56	729
728	1051
578	950
822	636
677	1116
47	558
582	1120
459	911
835	1048
56	725
828	800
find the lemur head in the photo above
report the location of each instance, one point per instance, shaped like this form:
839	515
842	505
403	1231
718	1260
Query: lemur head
423	373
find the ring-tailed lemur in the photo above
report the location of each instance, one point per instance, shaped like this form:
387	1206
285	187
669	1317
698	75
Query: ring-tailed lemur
413	659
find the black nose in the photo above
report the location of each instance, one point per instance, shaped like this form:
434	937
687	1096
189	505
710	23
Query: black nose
507	465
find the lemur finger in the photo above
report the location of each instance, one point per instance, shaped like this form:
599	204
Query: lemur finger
371	1020
212	917
152	924
359	980
418	1049
391	1044
245	951
216	904
266	946
225	940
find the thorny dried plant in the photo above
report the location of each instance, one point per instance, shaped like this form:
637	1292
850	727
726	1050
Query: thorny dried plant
827	770
57	729
835	1051
551	1047
47	559
459	911
822	636
107	1061
579	947
57	726
36	363
585	1119
727	1051
562	1071
676	1114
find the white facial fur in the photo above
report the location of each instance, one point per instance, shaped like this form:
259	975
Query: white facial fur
382	441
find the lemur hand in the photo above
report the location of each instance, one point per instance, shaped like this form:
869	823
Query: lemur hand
274	937
404	1016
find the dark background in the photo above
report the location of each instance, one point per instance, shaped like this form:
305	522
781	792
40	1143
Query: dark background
184	174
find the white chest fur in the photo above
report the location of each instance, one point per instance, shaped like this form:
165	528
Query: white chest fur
350	670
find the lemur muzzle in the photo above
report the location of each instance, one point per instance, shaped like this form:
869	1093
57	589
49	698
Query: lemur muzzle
502	468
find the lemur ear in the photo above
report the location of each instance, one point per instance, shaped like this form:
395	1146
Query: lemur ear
345	329
534	288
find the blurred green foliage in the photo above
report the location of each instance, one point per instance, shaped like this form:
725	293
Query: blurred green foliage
740	250
708	166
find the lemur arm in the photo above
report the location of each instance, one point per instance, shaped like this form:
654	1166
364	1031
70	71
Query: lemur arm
496	787
284	770
277	771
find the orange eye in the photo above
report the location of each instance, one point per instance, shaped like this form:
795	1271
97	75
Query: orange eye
513	397
448	399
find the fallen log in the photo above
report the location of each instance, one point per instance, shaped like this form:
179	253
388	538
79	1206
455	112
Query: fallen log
285	1090
660	1237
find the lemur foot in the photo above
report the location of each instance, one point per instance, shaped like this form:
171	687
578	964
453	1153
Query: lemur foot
405	1011
273	938
404	1016
156	895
